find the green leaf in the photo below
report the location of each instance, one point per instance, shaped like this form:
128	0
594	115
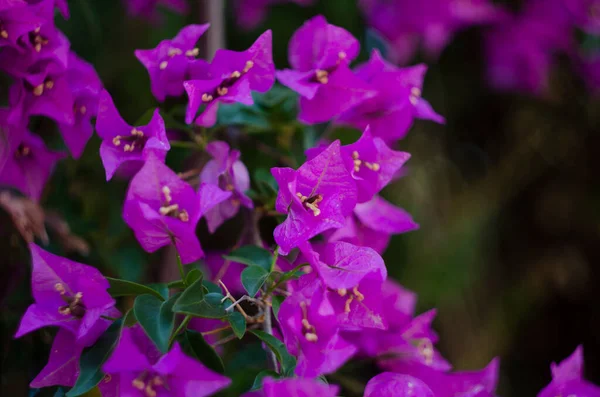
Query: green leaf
156	318
238	324
211	287
92	358
239	114
195	302
253	277
276	304
193	276
120	287
252	255
195	345
287	361
161	288
258	381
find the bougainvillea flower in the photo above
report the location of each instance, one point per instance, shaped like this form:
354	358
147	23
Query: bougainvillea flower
29	164
141	372
465	383
389	384
567	378
229	173
397	313
17	21
297	387
86	87
319	54
407	24
391	112
250	13
413	344
149	8
310	331
162	209
371	163
168	63
372	224
343	265
123	143
317	196
521	65
231	76
43	94
62	368
68	295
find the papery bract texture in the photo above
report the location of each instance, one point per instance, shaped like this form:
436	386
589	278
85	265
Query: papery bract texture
317	196
69	295
123	143
162	209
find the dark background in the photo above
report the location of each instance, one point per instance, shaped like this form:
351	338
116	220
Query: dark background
506	194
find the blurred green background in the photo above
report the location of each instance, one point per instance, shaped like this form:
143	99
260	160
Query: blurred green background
506	194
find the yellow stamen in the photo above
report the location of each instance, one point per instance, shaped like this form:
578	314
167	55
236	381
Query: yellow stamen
60	288
184	216
342	291
167	193
138	384
222	91
49	84
322	76
372	166
149	391
65	311
360	297
117	140
38	90
311	337
207	98
168	209
136	132
193	52
4	34
348	302
82	109
174	51
415	94
249	65
235	75
163	65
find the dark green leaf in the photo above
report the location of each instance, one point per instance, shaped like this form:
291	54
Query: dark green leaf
252	255
193	276
211	287
156	318
162	289
253	277
276	302
238	324
195	302
287	361
177	284
258	381
92	358
195	345
120	287
239	114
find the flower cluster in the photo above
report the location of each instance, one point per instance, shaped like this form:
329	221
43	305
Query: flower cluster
319	298
48	80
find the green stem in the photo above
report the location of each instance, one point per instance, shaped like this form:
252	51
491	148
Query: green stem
275	256
181	271
181	327
109	318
